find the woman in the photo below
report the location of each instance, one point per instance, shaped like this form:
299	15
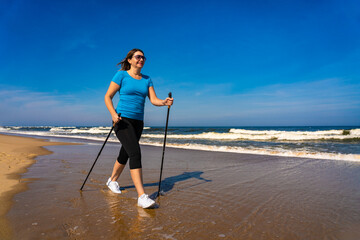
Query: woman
133	87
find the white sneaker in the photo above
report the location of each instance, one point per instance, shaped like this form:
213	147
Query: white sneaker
145	202
113	186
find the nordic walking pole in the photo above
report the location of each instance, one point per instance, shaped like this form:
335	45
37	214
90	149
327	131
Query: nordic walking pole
162	160
98	156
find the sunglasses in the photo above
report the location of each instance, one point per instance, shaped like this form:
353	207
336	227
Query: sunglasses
138	57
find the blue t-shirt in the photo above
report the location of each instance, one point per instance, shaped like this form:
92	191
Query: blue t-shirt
132	94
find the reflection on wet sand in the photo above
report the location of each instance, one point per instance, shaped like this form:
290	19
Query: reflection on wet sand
129	226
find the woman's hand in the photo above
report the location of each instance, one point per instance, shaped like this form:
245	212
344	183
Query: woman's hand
115	118
168	101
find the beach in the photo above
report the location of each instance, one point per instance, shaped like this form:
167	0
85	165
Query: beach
206	195
16	155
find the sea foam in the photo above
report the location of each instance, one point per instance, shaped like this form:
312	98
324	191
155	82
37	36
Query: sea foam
242	134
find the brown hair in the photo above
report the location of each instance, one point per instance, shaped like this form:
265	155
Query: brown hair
125	65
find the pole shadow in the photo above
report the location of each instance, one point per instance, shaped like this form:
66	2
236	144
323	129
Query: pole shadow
168	183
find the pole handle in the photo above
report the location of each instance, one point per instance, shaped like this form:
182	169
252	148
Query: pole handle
170	96
116	122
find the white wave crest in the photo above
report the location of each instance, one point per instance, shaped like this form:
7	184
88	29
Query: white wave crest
61	129
94	130
296	135
355	132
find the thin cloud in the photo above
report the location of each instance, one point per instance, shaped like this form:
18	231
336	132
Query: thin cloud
25	107
299	103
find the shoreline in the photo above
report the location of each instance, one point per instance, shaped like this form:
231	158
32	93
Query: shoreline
17	154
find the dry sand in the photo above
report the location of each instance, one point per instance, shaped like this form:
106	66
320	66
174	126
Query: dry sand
16	155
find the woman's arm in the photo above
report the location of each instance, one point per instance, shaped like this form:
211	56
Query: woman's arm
113	88
159	102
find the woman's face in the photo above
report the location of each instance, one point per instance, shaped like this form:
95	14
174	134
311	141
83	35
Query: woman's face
137	60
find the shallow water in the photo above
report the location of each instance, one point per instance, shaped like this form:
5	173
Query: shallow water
207	195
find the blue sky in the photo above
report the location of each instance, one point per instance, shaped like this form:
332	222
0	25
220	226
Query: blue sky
228	63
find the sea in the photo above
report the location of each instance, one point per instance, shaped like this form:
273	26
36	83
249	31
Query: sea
319	142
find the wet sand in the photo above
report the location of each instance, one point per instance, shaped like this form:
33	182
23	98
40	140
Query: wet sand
16	155
207	195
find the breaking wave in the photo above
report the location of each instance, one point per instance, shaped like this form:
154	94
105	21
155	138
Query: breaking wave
269	135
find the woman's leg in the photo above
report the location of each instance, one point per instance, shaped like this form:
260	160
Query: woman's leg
119	164
136	175
117	170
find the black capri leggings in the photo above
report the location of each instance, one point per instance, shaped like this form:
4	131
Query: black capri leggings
128	131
